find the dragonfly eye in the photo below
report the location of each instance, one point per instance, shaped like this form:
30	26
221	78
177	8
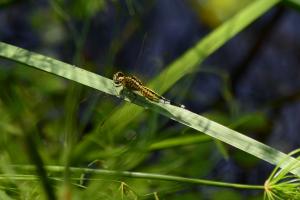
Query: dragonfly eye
118	77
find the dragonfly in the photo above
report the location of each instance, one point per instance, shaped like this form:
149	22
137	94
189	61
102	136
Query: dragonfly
134	84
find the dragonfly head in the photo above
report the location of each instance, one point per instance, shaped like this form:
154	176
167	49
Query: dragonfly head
118	77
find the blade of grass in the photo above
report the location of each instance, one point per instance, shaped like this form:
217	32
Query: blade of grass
179	68
37	160
142	175
179	141
180	115
27	124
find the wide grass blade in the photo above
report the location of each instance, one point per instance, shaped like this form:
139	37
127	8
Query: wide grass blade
184	65
180	115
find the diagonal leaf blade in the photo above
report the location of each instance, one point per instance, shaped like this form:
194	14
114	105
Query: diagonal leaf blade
179	68
180	115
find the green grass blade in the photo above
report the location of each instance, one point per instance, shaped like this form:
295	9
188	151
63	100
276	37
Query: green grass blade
208	45
37	160
141	175
56	67
181	67
179	141
180	115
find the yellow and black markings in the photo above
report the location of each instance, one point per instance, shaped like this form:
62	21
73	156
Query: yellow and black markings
132	83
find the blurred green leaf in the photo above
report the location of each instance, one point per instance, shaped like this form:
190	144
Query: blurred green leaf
227	194
245	160
82	8
215	12
183	140
4	196
293	3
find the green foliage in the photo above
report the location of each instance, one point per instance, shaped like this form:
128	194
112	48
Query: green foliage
81	8
227	194
182	66
178	114
41	110
293	3
214	12
283	185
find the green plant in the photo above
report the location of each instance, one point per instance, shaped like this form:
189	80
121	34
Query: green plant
65	175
